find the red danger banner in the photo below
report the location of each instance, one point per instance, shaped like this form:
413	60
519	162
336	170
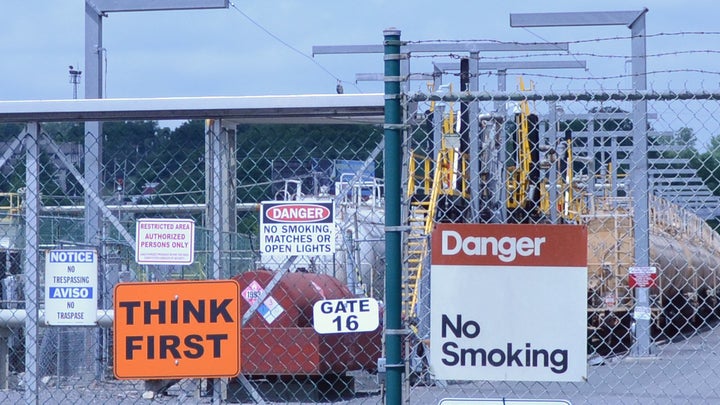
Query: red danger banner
508	245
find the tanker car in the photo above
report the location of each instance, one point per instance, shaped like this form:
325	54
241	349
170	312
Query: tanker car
685	252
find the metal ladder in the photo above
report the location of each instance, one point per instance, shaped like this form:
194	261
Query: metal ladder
420	219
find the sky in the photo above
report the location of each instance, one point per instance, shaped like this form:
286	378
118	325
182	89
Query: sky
264	47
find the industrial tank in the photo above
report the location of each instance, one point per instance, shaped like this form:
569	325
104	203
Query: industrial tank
278	337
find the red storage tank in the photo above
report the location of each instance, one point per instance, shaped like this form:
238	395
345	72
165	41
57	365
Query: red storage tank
278	339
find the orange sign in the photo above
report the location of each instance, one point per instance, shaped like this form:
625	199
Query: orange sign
183	329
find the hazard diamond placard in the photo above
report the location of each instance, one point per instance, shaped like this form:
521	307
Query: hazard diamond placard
183	329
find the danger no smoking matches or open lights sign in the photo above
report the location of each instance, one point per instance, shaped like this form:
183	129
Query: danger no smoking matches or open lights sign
289	228
184	329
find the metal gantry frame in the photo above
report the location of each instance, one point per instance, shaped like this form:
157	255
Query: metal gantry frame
473	49
635	21
95	10
502	67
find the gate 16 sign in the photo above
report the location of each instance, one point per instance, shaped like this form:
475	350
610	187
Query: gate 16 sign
346	315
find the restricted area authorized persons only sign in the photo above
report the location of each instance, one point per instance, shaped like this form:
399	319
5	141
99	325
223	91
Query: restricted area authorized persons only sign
509	302
165	241
71	287
297	228
183	329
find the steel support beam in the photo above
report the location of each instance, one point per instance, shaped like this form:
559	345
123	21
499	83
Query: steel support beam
393	236
315	108
31	284
111	6
443	47
518	65
575	19
635	21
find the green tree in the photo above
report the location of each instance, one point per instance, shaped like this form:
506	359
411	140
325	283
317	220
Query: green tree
708	165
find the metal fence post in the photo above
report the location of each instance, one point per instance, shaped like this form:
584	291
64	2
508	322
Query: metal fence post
393	191
216	213
639	183
30	265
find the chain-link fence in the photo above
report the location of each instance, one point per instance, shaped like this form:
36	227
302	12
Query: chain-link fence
569	159
215	175
636	170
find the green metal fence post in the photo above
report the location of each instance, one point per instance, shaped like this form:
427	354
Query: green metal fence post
393	193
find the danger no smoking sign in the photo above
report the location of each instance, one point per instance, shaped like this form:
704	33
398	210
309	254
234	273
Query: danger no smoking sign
290	228
508	302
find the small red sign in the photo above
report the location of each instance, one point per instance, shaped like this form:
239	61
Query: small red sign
642	276
642	280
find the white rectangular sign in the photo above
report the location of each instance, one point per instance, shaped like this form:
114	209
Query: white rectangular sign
346	315
71	287
501	401
297	228
509	302
165	241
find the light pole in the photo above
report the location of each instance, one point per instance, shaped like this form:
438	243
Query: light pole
74	79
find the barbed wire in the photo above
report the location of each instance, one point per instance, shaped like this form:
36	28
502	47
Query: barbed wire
576	41
620	76
575	55
552	54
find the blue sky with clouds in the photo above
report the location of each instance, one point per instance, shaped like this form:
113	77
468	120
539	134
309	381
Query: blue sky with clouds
221	52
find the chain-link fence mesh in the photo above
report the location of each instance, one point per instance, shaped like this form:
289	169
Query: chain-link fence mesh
510	158
570	159
218	177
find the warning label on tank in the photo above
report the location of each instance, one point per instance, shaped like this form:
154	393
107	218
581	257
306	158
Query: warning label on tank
252	292
270	310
